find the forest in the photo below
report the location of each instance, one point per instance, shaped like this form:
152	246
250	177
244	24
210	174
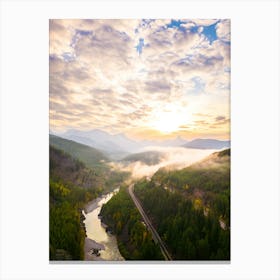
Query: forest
207	183
73	184
134	240
190	208
188	233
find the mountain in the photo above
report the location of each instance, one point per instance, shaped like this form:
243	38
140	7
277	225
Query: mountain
207	144
149	158
90	156
114	146
190	208
176	142
125	143
94	138
207	180
72	171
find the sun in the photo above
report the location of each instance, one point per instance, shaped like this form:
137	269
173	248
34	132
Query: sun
167	122
170	118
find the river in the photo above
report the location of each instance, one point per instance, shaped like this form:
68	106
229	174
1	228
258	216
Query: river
97	237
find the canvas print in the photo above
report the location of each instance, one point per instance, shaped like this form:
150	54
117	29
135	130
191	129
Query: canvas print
139	140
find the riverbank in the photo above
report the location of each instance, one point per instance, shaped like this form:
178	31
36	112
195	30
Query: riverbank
97	238
90	206
89	245
93	204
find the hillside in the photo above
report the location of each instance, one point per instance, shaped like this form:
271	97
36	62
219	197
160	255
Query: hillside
91	157
71	171
134	240
191	208
207	144
149	158
212	173
207	182
72	185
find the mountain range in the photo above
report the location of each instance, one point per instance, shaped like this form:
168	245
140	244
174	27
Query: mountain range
207	144
117	146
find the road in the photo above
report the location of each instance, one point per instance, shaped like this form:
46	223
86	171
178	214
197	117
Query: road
149	225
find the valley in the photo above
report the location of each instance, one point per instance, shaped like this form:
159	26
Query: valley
172	203
142	103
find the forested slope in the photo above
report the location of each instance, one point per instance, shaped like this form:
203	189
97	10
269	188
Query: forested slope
72	184
207	183
134	240
149	158
191	208
91	157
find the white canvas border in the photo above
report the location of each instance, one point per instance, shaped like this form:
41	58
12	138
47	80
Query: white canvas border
254	135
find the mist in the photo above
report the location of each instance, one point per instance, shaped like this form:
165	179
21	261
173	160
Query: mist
172	158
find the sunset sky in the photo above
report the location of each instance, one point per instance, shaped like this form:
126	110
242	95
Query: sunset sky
149	79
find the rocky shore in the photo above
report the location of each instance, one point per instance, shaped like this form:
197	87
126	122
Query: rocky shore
88	249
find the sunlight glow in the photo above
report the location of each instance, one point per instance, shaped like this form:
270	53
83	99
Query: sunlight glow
167	122
170	119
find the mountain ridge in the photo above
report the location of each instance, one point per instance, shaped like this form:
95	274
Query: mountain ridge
90	156
201	143
117	146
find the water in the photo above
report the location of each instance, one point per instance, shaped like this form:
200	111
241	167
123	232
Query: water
97	232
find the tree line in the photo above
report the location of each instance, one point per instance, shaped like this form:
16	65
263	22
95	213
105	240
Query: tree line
71	185
134	240
189	232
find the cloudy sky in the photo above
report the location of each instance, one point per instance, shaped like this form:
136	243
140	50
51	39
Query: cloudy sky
145	78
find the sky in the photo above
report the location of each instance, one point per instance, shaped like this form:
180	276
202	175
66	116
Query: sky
146	78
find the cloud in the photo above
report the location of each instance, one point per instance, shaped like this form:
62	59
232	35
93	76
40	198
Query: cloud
172	158
204	22
157	86
60	38
98	76
220	118
223	30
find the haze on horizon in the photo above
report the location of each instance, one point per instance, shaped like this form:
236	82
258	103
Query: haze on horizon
148	79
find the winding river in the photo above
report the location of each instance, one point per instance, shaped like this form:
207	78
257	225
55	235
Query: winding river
97	237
